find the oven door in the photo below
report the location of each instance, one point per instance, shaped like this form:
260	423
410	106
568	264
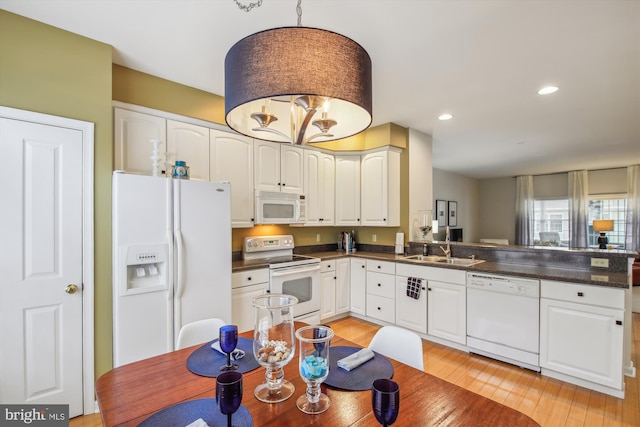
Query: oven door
303	282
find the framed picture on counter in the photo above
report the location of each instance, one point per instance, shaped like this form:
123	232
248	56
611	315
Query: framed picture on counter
441	213
453	214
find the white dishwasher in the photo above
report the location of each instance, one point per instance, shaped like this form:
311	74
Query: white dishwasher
503	318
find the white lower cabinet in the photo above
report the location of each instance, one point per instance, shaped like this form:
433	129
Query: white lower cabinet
411	313
358	286
581	333
343	270
381	293
327	289
447	311
247	285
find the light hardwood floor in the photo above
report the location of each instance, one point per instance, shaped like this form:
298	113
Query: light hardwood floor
548	401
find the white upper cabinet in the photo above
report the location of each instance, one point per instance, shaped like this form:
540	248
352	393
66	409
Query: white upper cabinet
278	167
380	188
189	143
133	132
319	187
347	190
231	159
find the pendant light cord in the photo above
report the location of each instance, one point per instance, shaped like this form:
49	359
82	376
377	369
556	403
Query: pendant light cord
250	6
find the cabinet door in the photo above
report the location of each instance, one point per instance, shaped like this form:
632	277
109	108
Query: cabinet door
189	143
358	285
347	190
446	313
342	285
374	189
411	313
242	312
232	160
266	165
582	341
312	186
133	132
327	189
292	169
327	295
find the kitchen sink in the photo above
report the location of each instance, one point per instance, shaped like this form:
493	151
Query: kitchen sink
435	259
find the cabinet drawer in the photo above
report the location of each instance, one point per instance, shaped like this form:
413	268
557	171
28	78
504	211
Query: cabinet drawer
328	266
583	294
381	308
381	284
381	266
249	277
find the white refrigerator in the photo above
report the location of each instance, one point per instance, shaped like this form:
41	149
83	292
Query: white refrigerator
171	260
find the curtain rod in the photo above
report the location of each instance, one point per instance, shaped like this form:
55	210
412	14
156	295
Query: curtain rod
588	170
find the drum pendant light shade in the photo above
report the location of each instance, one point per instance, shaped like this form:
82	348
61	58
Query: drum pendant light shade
279	81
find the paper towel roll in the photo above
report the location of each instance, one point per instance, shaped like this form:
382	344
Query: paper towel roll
400	239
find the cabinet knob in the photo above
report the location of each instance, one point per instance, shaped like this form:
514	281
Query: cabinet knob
580	294
423	289
279	184
335	278
379	285
384	219
249	278
379	266
427	288
379	308
328	265
618	322
362	266
283	184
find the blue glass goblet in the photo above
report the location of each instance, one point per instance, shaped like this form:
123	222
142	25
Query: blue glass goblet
385	400
229	393
228	341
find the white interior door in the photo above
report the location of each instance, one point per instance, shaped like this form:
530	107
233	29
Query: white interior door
41	224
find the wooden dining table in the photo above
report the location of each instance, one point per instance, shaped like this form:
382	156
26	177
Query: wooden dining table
129	394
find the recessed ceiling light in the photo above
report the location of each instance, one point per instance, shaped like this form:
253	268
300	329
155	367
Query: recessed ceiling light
445	116
547	90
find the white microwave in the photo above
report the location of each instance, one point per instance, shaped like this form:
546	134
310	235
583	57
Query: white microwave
280	208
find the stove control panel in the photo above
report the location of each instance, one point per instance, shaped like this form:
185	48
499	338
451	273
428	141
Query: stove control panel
267	243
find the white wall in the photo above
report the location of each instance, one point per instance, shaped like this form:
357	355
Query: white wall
421	176
466	192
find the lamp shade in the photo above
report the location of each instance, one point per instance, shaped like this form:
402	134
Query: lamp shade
602	225
269	70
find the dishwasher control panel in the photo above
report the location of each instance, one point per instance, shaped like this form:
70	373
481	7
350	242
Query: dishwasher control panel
504	284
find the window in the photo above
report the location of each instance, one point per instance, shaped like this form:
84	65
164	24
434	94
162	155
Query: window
551	218
608	208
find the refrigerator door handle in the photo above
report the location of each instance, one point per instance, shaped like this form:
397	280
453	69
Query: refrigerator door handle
170	336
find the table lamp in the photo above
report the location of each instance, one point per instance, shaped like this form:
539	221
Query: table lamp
602	226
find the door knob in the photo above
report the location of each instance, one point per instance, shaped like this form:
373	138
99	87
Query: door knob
71	289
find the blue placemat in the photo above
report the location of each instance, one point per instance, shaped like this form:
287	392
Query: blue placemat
206	361
185	413
360	378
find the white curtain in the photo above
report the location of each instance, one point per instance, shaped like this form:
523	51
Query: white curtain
632	226
524	210
578	209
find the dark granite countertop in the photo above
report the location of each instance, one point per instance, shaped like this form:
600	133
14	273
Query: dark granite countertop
589	277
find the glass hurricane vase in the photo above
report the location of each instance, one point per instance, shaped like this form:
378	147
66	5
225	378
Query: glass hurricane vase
314	342
274	344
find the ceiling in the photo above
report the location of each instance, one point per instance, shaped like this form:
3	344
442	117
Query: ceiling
482	61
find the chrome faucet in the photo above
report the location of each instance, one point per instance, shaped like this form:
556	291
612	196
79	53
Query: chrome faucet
447	252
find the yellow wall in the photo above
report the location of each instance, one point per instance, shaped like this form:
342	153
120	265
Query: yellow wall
51	71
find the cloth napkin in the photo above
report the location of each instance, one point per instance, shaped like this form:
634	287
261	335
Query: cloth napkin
198	423
356	359
236	354
413	287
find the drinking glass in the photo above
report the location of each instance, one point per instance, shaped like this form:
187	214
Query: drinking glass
274	344
228	340
229	393
314	367
385	400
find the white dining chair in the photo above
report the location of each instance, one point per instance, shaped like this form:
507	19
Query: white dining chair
198	332
400	344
